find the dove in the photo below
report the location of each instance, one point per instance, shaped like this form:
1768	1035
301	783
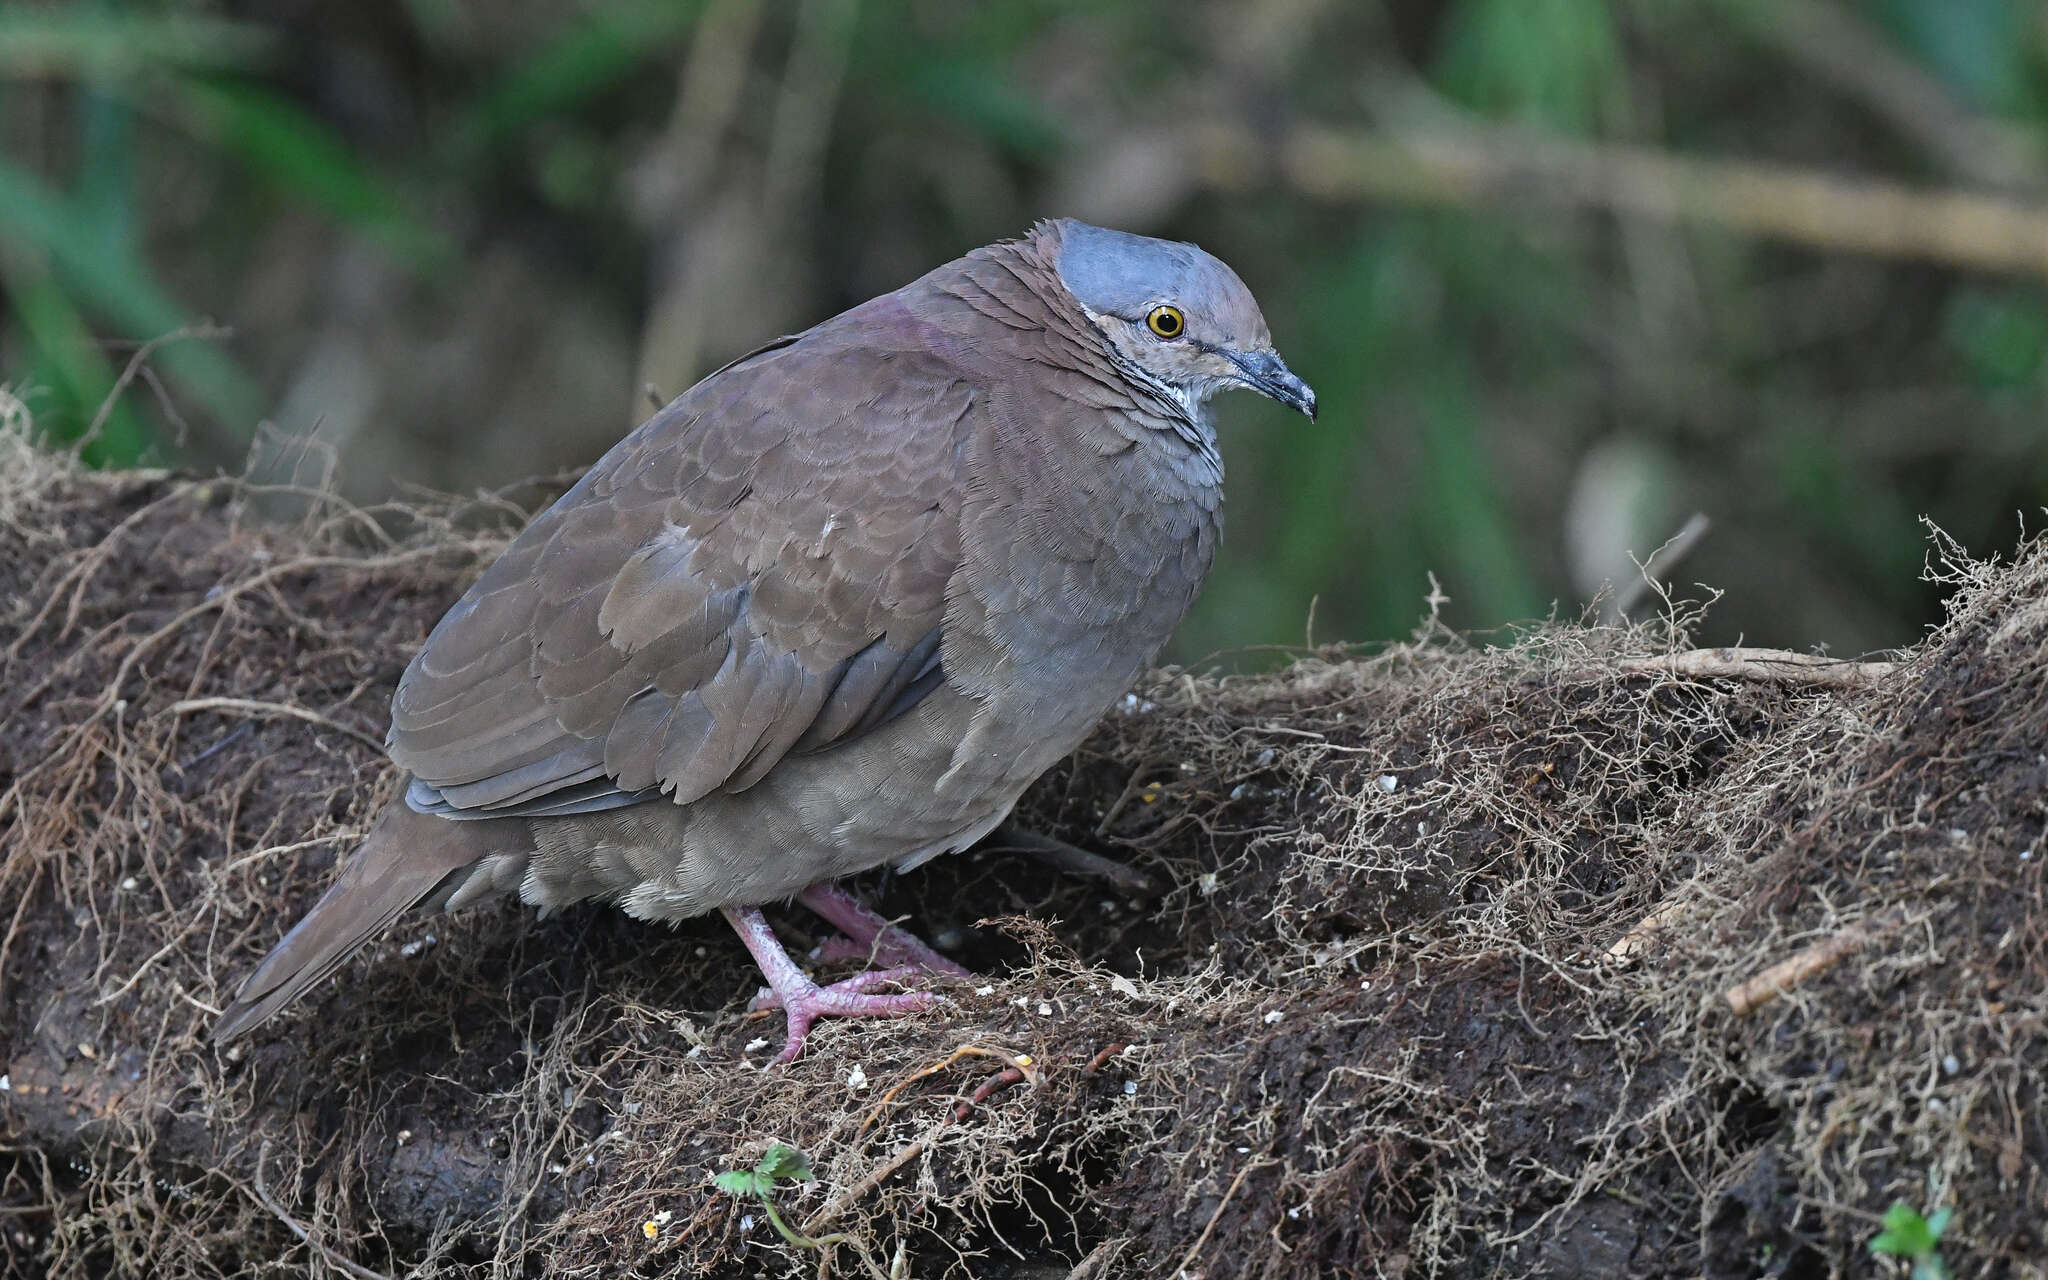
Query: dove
836	606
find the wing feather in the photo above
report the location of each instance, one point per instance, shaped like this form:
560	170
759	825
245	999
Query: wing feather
759	569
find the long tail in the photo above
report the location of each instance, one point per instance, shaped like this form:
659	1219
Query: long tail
407	858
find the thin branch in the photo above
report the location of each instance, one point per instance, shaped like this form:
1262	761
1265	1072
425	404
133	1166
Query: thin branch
134	368
1744	663
1749	996
1837	45
1195	1249
298	1228
1661	563
255	707
1827	212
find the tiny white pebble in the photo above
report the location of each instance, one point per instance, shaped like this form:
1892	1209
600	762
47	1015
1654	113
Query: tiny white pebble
1957	833
1020	1002
1209	884
747	1222
702	951
557	1170
1130	1088
130	883
1265	758
1389	782
120	706
1936	1104
1044	1009
404	1136
755	1044
1273	1016
695	1050
2026	855
1295	1212
1244	1151
1950	1065
661	1219
1240	791
988	990
6	1084
590	1159
87	1051
856	1078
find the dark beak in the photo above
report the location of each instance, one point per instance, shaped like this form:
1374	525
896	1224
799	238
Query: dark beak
1266	373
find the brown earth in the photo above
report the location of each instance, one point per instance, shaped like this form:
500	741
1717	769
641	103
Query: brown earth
1438	981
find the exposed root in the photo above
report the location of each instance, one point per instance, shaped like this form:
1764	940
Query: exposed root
1585	953
1752	994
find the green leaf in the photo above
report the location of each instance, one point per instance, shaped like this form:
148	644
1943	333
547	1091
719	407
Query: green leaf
306	160
784	1163
80	375
577	65
743	1182
103	46
981	98
1937	1222
1906	1234
114	283
1551	62
2002	334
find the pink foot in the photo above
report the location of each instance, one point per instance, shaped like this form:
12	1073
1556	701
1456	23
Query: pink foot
870	936
805	1001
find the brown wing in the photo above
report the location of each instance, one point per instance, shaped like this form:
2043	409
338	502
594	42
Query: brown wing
758	569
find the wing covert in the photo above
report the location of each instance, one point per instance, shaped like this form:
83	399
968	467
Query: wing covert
758	569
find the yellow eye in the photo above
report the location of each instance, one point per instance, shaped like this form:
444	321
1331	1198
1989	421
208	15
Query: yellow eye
1167	322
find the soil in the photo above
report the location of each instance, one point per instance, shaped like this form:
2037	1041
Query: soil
1441	974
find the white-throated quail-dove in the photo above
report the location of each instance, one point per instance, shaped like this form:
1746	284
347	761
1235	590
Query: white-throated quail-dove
835	606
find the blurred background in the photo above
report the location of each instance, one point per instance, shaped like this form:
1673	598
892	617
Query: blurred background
1565	273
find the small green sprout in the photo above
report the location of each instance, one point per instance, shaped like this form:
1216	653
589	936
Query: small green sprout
1908	1235
782	1163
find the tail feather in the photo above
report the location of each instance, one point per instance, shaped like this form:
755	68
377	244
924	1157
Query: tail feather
406	860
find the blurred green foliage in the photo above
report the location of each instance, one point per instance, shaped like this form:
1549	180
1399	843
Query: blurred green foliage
1511	393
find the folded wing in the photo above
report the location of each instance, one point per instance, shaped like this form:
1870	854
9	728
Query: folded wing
759	569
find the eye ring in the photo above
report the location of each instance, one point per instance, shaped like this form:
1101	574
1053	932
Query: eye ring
1166	321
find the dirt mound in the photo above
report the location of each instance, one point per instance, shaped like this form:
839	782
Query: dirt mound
1577	954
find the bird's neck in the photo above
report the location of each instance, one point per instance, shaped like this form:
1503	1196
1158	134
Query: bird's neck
1047	332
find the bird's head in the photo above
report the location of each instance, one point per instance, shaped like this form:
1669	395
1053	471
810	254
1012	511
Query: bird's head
1174	316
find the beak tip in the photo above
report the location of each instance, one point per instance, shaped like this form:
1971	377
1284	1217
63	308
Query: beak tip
1265	373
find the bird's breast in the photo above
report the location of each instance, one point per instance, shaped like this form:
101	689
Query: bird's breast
1084	541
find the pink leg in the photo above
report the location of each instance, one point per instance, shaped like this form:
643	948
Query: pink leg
873	938
804	999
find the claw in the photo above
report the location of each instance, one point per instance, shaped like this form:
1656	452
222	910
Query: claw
870	936
803	1000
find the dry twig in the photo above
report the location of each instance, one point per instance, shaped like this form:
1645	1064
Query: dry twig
1747	997
297	1228
1828	212
1744	663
